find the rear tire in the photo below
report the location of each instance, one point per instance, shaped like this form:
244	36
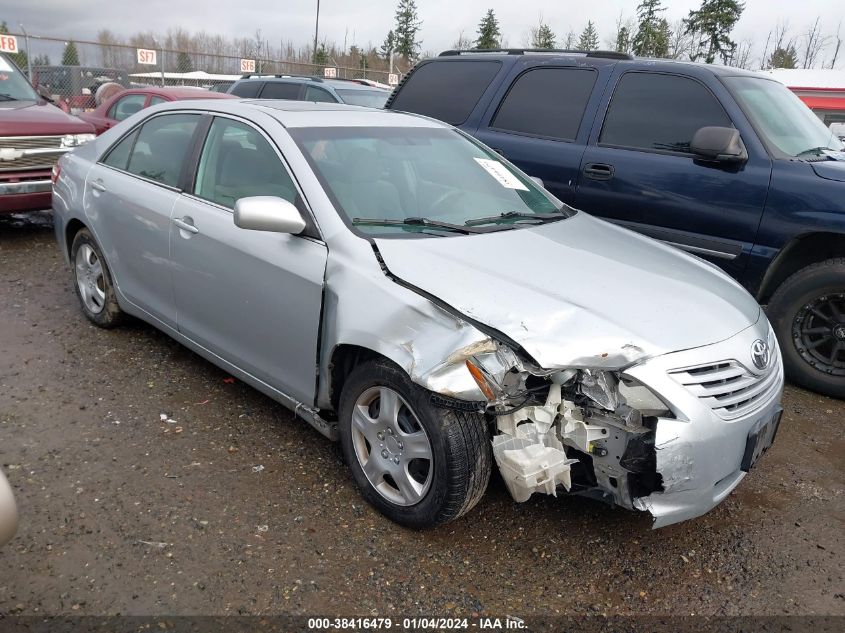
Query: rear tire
93	282
808	314
418	465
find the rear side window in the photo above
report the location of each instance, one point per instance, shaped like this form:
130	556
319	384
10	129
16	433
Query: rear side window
318	94
154	100
161	147
246	89
547	102
127	106
659	112
280	90
446	90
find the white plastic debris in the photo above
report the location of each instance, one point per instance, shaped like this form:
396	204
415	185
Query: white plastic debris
258	469
532	461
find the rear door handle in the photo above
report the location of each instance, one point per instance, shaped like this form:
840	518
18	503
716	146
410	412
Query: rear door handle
97	185
186	225
598	171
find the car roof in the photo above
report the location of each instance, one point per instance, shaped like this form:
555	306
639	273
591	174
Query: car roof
295	114
333	83
176	92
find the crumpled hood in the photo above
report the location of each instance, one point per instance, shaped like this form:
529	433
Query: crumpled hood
579	292
27	118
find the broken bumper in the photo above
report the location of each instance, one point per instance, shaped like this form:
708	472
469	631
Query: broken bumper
700	454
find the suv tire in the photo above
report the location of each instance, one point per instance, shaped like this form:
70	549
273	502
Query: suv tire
395	442
808	315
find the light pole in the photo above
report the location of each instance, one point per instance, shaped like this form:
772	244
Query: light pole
28	53
316	30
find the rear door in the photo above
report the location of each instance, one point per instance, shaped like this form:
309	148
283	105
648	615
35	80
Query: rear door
540	121
129	196
252	298
638	170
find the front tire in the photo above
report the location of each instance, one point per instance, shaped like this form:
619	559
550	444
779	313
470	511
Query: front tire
93	283
808	314
418	465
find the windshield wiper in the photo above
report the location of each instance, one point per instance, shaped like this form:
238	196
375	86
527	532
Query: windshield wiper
539	218
415	221
5	97
815	150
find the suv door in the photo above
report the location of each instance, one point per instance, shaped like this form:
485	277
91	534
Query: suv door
537	123
638	170
252	298
131	191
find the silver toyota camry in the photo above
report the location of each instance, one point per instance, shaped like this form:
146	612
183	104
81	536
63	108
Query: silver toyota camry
407	291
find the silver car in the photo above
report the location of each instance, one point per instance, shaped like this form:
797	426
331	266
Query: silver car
406	290
8	511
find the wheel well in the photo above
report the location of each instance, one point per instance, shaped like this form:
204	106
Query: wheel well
345	358
800	253
73	227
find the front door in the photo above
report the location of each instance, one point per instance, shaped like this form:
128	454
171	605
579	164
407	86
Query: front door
251	297
638	171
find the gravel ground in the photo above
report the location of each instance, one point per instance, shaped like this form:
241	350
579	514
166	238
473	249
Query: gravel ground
232	506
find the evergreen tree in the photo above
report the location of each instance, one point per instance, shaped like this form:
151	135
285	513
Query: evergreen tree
589	40
784	57
488	31
184	64
543	37
653	34
711	27
70	56
18	59
623	40
389	45
407	26
321	58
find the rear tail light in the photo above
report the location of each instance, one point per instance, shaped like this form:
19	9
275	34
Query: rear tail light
57	170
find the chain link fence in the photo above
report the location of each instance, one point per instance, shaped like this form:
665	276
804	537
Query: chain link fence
72	72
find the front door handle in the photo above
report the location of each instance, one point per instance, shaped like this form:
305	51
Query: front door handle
186	225
598	171
97	185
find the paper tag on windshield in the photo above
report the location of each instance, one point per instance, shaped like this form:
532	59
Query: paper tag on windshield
501	173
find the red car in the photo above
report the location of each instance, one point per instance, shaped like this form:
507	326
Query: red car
127	102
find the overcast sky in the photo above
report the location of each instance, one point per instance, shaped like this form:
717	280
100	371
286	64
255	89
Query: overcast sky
367	21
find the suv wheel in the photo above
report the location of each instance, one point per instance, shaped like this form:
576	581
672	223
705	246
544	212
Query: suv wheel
93	281
808	314
418	465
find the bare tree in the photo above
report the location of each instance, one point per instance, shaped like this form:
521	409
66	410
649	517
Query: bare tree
837	47
814	43
741	57
680	41
463	43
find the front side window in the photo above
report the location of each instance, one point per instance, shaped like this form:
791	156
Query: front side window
781	118
280	90
238	162
547	102
161	147
446	90
391	180
659	112
126	106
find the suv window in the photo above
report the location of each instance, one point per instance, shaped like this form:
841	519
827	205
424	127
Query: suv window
238	162
127	106
659	112
161	147
246	89
280	90
318	94
446	90
547	102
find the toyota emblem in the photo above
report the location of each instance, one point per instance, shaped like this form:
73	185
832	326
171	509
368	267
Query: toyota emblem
760	354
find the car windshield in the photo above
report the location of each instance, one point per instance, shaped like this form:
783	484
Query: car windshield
782	118
13	85
369	98
401	180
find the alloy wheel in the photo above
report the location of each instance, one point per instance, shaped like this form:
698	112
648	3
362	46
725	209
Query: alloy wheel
90	279
818	332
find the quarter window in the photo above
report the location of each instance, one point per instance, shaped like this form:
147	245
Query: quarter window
659	112
547	102
238	162
127	106
119	154
161	147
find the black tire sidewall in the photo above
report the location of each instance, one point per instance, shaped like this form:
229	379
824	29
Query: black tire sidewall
111	314
802	288
430	510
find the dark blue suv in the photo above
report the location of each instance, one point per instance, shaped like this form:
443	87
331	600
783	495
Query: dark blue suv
720	162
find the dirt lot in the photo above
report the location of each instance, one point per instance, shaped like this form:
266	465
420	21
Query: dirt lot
237	507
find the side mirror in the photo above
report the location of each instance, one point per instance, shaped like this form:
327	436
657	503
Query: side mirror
537	181
719	144
268	213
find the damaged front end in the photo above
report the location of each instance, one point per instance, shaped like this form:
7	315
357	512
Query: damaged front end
589	431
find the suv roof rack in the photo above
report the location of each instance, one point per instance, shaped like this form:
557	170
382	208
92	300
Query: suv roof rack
280	76
524	51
